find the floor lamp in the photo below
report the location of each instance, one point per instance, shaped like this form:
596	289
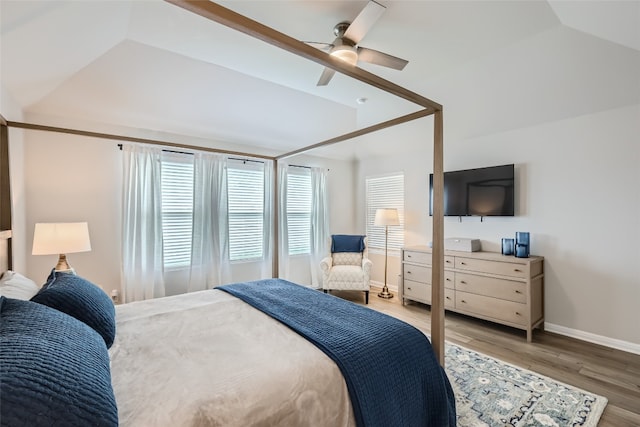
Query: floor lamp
386	217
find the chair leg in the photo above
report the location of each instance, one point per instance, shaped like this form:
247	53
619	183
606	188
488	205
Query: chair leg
325	291
366	297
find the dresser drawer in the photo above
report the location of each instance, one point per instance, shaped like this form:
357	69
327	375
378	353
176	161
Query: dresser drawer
449	261
494	308
417	257
449	279
492	267
417	291
417	273
498	288
449	299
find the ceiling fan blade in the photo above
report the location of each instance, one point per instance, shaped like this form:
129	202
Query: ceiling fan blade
364	21
327	74
379	58
320	45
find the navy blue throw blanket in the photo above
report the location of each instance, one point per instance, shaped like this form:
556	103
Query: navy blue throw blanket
389	366
347	243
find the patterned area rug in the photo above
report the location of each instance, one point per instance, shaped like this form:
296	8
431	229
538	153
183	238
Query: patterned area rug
493	393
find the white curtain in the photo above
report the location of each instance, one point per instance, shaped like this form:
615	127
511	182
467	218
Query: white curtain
210	246
266	268
319	224
142	265
283	224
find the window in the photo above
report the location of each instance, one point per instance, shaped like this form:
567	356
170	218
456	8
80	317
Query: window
385	192
299	210
245	187
177	209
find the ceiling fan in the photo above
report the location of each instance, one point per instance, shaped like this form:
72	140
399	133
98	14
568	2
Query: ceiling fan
349	34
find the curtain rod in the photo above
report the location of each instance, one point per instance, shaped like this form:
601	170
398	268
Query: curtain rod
101	135
190	153
232	158
304	167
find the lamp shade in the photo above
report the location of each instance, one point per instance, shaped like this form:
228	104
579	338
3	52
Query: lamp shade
386	216
60	238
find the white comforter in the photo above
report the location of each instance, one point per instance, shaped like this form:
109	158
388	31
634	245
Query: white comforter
209	359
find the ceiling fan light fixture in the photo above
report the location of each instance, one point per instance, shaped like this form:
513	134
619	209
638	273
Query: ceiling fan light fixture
345	53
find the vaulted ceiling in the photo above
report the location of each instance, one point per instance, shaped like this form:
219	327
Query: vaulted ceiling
149	67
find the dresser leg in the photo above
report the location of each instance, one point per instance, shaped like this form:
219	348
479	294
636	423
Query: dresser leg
529	335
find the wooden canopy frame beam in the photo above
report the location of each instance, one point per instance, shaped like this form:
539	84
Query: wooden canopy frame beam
231	19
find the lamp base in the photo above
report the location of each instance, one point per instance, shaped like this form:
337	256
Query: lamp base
385	293
63	266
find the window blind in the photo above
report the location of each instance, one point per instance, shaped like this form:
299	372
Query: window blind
177	209
245	181
299	210
385	192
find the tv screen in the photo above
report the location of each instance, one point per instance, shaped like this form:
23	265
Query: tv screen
477	192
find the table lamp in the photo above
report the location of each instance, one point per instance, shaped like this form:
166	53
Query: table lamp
386	217
61	238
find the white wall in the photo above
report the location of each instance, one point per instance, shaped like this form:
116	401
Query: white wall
577	193
12	112
71	178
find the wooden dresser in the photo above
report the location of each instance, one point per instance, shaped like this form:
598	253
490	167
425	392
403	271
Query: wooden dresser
487	285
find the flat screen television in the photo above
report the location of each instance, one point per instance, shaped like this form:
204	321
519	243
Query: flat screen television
477	192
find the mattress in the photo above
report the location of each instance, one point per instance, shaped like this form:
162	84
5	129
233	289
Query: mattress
209	359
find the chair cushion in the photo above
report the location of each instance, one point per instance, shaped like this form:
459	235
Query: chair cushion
347	258
347	273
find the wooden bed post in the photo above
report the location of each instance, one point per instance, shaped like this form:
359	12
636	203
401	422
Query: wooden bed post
437	267
275	220
5	187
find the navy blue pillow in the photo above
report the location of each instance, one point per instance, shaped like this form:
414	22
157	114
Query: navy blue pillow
81	299
55	369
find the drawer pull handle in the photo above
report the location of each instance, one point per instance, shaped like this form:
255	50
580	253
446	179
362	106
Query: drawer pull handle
448	298
463	282
408	256
408	272
463	301
518	314
449	262
448	280
408	289
518	292
463	263
517	270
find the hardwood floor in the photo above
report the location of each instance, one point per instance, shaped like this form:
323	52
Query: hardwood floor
608	372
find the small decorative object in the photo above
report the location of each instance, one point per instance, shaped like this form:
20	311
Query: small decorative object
508	246
522	244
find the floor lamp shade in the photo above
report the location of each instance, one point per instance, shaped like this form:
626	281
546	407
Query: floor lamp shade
61	238
386	217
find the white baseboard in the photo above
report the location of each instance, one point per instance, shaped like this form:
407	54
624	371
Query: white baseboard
596	339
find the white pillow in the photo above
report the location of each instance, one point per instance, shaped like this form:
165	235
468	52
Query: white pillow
15	285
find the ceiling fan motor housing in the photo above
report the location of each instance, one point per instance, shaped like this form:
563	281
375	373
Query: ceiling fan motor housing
341	28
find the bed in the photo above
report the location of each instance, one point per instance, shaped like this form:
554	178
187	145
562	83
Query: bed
261	353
